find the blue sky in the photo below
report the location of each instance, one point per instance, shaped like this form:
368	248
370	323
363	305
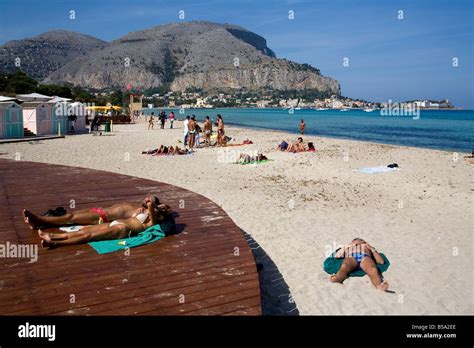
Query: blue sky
389	58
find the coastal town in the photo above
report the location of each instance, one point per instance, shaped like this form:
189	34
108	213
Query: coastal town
201	100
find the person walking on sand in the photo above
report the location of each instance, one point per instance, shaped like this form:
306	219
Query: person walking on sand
171	119
302	127
220	130
360	255
207	131
150	121
192	132
186	130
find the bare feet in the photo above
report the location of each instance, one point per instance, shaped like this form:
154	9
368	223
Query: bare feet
382	286
46	241
31	219
44	236
335	279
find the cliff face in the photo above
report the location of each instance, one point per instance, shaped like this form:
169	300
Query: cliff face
193	54
39	56
256	77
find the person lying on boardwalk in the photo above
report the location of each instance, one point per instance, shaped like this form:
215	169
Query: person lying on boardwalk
360	255
165	150
245	158
117	229
92	216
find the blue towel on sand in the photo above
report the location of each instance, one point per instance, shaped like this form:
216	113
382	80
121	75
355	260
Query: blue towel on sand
150	235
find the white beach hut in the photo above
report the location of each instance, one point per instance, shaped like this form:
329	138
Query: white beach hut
38	118
11	120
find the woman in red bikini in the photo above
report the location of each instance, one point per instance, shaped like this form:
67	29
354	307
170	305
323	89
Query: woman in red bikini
92	216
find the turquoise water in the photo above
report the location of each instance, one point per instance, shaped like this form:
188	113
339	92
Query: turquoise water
451	130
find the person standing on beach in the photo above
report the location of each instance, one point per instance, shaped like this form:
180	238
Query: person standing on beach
162	119
171	119
150	121
207	131
186	130
220	130
302	127
192	131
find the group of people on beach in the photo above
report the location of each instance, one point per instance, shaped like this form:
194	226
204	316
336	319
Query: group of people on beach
193	135
192	132
296	146
162	117
129	219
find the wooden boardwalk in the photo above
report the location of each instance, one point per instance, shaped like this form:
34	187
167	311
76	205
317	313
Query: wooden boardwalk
206	269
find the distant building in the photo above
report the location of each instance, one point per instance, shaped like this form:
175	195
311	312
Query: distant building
263	103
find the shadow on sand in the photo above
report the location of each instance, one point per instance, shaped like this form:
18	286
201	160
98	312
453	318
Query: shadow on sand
275	294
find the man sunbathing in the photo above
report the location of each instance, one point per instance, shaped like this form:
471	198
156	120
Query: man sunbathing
117	229
92	216
245	158
360	255
296	146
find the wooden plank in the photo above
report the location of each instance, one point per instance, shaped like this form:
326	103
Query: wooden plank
198	262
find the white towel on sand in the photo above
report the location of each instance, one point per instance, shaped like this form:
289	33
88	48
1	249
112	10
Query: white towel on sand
376	170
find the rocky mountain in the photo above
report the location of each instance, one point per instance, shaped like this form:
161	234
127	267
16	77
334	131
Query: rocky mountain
39	56
192	54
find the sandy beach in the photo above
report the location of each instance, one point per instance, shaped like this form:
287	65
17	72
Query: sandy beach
300	206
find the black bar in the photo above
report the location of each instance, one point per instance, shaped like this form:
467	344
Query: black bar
353	330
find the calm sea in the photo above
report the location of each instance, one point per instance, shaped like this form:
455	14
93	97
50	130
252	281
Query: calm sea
437	129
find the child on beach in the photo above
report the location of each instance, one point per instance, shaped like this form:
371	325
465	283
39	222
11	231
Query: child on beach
150	121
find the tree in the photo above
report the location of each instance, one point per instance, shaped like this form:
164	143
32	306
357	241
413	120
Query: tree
116	98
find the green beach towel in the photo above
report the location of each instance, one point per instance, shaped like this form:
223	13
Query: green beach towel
332	265
150	235
257	162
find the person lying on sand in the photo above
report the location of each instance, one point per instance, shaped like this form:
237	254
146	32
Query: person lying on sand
117	229
296	146
360	255
245	158
165	150
92	216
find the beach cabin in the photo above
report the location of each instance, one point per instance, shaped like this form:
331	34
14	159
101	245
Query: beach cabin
59	119
11	120
80	111
38	118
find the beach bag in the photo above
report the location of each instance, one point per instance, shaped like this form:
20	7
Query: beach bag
283	146
59	211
